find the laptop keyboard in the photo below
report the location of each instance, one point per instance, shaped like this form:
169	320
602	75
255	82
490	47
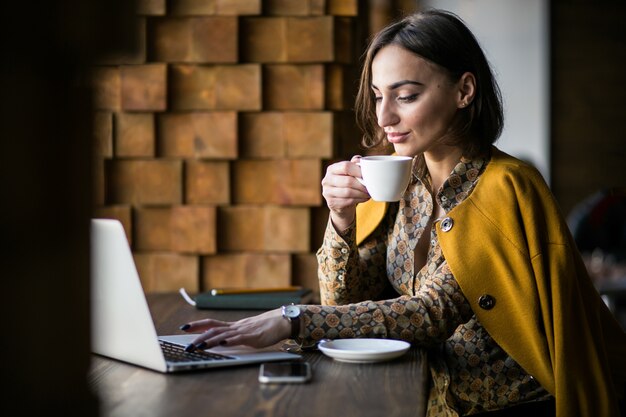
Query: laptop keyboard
176	353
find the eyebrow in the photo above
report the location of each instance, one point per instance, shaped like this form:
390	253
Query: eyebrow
399	84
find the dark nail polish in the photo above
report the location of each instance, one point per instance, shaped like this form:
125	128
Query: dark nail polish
190	347
201	345
223	342
185	327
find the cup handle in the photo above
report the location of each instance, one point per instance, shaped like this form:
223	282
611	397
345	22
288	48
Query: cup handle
360	179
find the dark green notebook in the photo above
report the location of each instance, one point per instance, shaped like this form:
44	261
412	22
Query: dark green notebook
252	301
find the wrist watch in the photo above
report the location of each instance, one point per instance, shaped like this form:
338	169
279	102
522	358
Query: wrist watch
291	312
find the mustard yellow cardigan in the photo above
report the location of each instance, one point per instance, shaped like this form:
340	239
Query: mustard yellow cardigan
509	240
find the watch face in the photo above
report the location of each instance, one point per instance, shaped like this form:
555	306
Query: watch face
291	311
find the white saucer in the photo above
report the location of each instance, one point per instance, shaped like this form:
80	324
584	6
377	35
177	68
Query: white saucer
363	350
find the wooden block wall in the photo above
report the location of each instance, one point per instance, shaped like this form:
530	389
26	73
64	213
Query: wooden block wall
211	140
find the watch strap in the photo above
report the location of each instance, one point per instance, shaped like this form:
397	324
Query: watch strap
295	328
295	324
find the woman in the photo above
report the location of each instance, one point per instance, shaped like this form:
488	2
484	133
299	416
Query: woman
474	264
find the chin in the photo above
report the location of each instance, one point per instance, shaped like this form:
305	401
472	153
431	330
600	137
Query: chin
404	150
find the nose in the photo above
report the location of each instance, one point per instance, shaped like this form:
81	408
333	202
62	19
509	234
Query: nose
386	114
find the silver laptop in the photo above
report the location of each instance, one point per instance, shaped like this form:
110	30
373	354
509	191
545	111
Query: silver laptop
122	327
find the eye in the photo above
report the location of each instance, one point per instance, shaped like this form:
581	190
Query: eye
408	99
378	98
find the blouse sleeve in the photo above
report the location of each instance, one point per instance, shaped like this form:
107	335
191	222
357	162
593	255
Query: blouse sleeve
427	318
349	274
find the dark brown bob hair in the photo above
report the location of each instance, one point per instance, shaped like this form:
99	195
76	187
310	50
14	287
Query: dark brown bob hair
442	38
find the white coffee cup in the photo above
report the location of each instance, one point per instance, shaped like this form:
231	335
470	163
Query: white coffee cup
386	176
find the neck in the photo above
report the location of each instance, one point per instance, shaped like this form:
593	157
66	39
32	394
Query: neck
440	164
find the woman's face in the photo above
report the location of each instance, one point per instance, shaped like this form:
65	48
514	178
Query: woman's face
415	101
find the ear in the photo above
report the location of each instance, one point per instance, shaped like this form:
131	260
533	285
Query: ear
467	89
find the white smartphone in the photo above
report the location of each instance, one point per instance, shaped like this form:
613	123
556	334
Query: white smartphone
284	372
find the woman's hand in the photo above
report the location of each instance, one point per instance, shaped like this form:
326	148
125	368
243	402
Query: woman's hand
259	331
342	191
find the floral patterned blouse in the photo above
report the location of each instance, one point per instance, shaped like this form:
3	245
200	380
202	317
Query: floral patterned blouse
374	291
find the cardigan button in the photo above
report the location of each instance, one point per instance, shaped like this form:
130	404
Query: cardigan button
486	302
446	224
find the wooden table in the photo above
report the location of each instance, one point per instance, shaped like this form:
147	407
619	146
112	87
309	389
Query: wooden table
393	388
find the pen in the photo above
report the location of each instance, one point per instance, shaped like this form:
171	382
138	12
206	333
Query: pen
225	291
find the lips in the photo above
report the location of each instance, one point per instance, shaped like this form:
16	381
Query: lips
397	137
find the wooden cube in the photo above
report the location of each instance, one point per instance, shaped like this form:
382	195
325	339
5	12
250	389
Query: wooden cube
246	270
264	39
107	88
305	273
288	39
192	7
198	39
308	134
193	229
133	53
293	87
134	135
347	135
310	39
263	229
144	87
144	182
238	87
188	229
283	182
153	230
261	135
170	40
287	7
286	134
238	7
319	221
317	7
103	134
98	194
340	87
192	87
123	213
215	7
234	87
151	7
346	50
198	135
254	182
343	7
215	39
168	272
207	182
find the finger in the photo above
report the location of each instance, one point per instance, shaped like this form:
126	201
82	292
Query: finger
343	168
339	185
343	196
237	334
206	339
201	325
